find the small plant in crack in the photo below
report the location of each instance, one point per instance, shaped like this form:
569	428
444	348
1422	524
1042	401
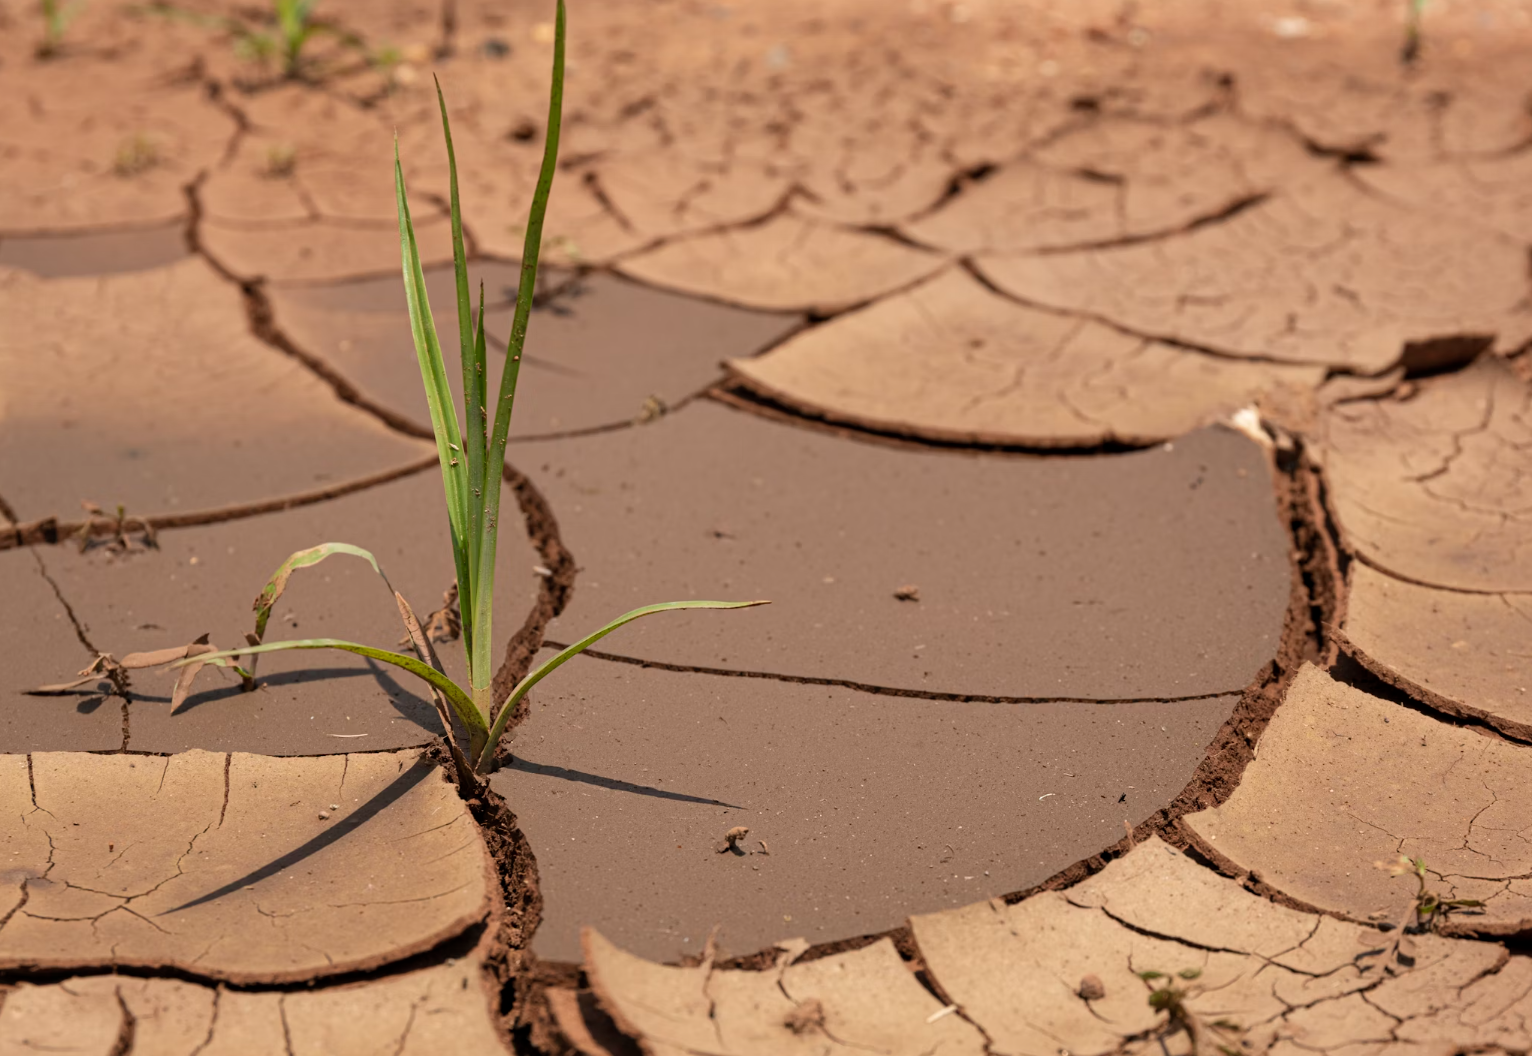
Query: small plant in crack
1425	912
135	156
1413	9
56	19
277	35
1169	994
471	453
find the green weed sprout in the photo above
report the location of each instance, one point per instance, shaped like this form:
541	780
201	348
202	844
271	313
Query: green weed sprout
1169	994
1413	9
472	458
56	19
292	24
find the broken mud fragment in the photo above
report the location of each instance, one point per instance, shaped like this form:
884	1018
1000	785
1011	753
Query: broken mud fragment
1462	654
785	264
1268	971
1343	779
867	1000
952	361
623	779
1432	489
215	866
89	362
418	1013
1320	273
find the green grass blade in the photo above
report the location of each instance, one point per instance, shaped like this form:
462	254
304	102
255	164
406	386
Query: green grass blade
547	667
267	599
462	703
473	384
524	292
444	424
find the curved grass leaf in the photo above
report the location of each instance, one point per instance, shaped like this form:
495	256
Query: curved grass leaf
549	666
267	599
462	703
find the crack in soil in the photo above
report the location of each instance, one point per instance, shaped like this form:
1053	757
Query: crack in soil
51	531
887	691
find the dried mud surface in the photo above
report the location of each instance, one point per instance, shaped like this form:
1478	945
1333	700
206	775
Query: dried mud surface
1137	384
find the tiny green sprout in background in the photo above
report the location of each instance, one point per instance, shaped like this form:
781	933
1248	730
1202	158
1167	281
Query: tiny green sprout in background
1169	994
135	155
1427	908
56	19
1413	9
288	28
472	457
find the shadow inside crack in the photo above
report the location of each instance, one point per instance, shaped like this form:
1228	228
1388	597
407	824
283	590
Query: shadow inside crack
390	794
526	766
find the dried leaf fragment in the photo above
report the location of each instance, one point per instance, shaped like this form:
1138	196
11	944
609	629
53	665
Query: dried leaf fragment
805	1017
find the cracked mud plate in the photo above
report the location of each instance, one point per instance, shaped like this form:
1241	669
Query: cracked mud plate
222	867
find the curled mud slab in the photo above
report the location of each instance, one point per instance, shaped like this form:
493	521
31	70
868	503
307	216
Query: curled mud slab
1319	273
1152	575
1059	971
1431	484
421	1013
1343	779
861	807
866	1000
787	263
235	867
1114	181
1462	654
148	389
201	581
950	360
608	351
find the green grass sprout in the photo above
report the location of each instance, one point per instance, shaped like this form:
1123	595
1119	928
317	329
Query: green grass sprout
282	36
472	457
1426	910
1413	9
56	19
1169	994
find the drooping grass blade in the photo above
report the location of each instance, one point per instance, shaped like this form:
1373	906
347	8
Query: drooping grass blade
552	664
462	703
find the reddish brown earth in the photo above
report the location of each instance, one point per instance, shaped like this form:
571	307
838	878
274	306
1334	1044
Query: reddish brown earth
1124	407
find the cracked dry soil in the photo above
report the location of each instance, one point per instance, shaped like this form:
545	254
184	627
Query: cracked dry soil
1125	409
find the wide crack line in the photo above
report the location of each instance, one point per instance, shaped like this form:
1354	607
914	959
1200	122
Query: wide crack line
880	690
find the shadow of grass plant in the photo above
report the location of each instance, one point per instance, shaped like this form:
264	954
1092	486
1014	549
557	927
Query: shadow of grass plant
472	457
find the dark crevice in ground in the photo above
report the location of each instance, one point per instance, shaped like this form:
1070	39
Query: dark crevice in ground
1360	671
455	948
886	691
